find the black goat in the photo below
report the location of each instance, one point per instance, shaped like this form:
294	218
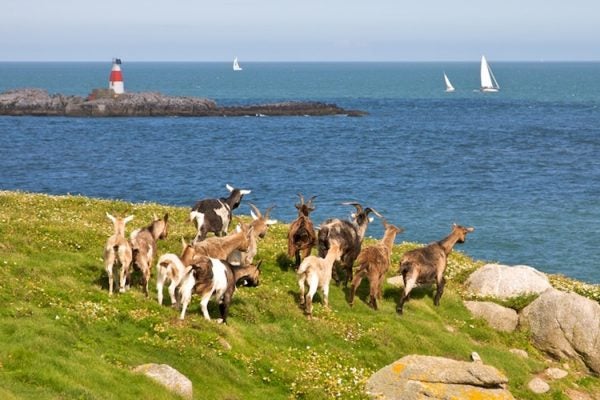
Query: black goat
214	215
348	235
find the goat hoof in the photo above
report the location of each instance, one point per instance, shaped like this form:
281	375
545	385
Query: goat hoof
220	321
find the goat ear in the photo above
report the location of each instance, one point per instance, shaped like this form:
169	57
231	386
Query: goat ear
110	217
271	221
470	229
238	228
245	191
229	187
371	219
127	219
183	243
166	217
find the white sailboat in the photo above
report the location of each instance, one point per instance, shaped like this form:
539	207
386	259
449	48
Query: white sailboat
449	87
488	80
236	65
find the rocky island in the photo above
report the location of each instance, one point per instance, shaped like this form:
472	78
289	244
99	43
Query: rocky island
104	103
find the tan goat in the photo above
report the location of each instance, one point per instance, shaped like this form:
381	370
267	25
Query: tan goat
373	263
221	247
260	223
428	264
117	250
316	272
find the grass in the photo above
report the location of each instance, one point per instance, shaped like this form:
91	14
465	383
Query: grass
63	337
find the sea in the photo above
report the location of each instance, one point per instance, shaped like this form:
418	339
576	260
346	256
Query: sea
522	166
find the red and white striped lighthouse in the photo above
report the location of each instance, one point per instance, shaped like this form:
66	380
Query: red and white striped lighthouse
115	81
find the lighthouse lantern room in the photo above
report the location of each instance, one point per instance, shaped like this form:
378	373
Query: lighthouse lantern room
115	81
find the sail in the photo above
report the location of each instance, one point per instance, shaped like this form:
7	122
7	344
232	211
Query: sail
236	65
449	87
488	82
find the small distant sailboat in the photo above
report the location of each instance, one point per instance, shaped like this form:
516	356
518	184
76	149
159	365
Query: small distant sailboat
449	87
488	80
236	65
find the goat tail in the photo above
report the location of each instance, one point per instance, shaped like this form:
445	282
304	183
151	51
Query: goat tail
304	265
405	266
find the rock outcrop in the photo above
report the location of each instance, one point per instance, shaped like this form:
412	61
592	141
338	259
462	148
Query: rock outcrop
503	281
168	377
38	102
565	325
498	317
424	377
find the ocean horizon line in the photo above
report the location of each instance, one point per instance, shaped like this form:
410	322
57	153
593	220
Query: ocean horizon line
476	60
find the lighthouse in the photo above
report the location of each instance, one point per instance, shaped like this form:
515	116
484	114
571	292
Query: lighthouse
115	81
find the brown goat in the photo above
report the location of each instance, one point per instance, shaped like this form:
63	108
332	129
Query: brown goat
428	264
260	223
117	250
143	245
221	247
373	263
301	235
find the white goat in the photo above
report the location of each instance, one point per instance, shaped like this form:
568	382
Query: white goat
117	250
316	271
172	268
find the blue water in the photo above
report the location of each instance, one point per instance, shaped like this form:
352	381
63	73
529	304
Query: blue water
522	166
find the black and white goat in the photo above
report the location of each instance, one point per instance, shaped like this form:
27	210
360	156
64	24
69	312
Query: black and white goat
210	277
348	235
214	215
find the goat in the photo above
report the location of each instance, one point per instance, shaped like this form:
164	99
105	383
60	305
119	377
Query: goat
117	249
210	276
173	268
222	247
259	226
214	215
143	245
301	234
348	235
428	264
374	262
316	271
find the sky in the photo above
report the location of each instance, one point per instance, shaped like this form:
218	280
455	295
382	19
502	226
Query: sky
299	30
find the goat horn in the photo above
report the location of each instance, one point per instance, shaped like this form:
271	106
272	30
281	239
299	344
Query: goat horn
359	208
268	211
256	210
311	200
369	209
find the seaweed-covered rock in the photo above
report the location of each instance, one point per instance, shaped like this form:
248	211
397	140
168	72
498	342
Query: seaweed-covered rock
105	103
424	377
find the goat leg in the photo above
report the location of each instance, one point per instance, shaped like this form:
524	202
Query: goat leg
373	292
439	291
355	284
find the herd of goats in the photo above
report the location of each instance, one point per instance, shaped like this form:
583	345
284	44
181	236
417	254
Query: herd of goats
213	266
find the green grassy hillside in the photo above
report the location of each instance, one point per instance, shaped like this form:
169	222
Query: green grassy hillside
63	337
